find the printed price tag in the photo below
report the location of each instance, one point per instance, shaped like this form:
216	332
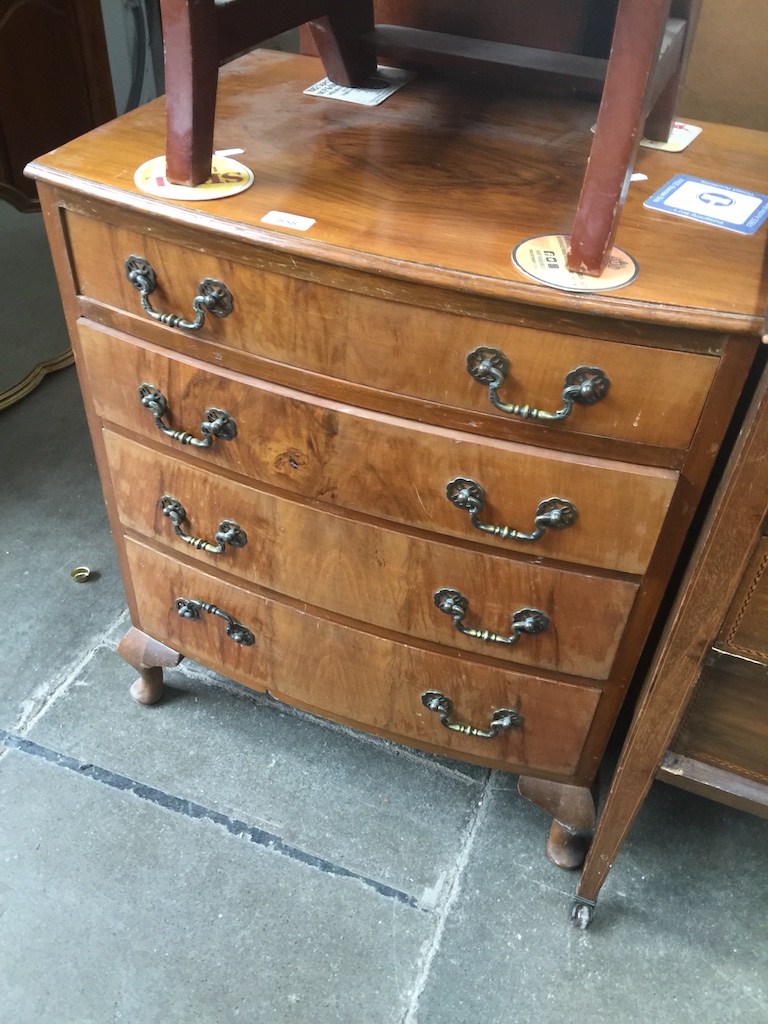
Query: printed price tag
228	177
721	205
288	220
544	259
375	91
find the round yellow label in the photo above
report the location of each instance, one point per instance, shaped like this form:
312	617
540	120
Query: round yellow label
228	177
544	259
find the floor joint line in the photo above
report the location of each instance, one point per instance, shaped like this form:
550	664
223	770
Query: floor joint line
191	809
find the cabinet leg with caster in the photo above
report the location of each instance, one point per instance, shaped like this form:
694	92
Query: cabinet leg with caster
574	813
149	657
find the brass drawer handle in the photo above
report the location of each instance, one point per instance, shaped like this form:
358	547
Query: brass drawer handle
213	297
505	718
229	531
217	423
551	514
583	386
526	620
190	609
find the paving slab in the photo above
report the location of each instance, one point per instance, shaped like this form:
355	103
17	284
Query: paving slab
674	937
116	909
52	519
375	807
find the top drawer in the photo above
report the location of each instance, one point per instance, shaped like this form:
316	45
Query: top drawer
402	349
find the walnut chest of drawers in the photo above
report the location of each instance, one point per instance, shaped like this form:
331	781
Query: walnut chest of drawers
301	487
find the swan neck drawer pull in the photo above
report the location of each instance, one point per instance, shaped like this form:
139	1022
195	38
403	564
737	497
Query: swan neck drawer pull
217	423
229	531
188	608
213	296
505	718
583	386
526	620
551	514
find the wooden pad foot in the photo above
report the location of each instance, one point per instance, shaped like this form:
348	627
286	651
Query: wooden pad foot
149	657
574	812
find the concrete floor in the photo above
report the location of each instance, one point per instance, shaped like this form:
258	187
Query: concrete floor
220	857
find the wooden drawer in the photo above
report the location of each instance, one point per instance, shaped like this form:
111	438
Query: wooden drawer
406	350
745	630
387	467
383	576
360	677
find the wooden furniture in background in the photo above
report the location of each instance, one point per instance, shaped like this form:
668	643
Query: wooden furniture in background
641	81
702	720
55	84
347	446
727	78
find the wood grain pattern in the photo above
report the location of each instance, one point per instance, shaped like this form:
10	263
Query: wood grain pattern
382	466
368	571
401	348
437	185
361	677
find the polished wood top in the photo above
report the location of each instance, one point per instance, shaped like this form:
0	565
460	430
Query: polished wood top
438	184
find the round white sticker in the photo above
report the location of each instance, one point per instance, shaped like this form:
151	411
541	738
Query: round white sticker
544	259
228	177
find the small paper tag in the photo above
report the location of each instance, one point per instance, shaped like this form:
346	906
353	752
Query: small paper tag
288	220
375	91
680	138
711	203
228	177
544	259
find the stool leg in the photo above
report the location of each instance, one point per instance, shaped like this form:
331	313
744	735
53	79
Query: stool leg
634	55
191	77
344	40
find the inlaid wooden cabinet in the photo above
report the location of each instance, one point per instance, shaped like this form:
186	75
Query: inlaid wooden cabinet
336	486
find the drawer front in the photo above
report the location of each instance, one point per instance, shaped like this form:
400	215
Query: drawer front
359	677
368	571
745	630
402	349
387	467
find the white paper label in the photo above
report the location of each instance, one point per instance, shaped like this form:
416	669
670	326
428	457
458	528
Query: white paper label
288	220
375	91
680	138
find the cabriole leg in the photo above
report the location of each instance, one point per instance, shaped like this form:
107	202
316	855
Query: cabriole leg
149	657
574	813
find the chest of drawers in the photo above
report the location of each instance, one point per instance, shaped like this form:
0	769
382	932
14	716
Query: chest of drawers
339	491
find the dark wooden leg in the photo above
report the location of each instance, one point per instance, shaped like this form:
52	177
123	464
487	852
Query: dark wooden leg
661	119
191	77
149	657
574	812
344	41
634	56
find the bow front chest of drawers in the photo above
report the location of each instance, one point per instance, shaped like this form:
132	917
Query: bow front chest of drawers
320	449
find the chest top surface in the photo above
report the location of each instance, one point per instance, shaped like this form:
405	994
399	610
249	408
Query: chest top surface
437	185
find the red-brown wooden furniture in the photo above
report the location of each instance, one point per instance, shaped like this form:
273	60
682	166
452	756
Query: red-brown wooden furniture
642	77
